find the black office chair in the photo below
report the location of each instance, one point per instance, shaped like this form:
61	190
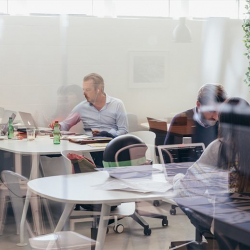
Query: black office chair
129	150
202	223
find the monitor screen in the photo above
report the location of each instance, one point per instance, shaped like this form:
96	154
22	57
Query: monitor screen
182	154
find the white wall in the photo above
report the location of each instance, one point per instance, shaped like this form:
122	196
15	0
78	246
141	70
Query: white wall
38	54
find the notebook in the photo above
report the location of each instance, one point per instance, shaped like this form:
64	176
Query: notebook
91	140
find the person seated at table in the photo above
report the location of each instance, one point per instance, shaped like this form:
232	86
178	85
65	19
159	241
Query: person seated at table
199	123
101	114
67	98
224	167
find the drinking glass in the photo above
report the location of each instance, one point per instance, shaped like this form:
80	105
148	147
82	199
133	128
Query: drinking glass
31	132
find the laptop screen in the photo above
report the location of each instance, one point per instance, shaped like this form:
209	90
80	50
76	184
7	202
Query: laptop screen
183	154
27	119
178	158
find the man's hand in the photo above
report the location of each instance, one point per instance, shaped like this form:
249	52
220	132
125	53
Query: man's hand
95	132
52	125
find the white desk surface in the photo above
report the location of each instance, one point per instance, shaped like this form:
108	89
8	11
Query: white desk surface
79	188
43	146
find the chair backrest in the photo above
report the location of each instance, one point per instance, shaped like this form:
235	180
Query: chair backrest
133	124
67	161
148	138
135	155
180	152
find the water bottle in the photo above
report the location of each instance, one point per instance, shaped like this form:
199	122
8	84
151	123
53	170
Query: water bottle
10	129
56	133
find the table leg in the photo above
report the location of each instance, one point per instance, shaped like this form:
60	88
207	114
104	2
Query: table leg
34	172
36	203
102	229
65	215
23	220
18	163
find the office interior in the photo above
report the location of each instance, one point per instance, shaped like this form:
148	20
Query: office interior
136	53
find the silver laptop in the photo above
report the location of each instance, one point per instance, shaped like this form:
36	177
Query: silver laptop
29	121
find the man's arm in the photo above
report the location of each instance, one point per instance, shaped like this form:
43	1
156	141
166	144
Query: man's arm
121	121
72	119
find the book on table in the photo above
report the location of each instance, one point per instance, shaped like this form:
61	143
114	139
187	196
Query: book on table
91	140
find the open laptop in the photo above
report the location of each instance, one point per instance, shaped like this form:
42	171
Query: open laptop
29	122
179	157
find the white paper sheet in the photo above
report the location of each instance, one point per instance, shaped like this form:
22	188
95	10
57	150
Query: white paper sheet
135	185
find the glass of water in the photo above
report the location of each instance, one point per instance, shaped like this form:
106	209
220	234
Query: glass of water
31	133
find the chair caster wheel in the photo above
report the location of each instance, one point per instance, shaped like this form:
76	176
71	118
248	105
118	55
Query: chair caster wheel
172	211
119	228
164	222
156	203
147	231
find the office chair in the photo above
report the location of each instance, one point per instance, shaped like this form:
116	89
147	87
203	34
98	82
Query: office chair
214	241
13	186
133	124
129	150
66	239
148	138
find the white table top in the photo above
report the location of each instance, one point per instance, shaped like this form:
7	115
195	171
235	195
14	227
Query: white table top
79	188
43	146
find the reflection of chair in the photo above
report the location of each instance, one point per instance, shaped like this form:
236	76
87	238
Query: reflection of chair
129	150
4	199
67	240
180	153
120	212
148	138
15	189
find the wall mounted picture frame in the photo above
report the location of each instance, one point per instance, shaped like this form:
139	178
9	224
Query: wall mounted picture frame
148	69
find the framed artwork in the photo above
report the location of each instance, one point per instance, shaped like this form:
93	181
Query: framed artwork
148	69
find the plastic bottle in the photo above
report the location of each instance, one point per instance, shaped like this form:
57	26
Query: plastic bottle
56	133
10	129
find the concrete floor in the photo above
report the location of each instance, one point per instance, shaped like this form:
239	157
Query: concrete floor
179	228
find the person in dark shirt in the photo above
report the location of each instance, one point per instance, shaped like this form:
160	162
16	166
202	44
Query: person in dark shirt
201	122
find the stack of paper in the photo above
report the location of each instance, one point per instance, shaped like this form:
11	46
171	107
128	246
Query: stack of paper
135	185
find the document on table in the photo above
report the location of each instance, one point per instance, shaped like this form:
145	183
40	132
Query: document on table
131	171
135	185
67	137
97	145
